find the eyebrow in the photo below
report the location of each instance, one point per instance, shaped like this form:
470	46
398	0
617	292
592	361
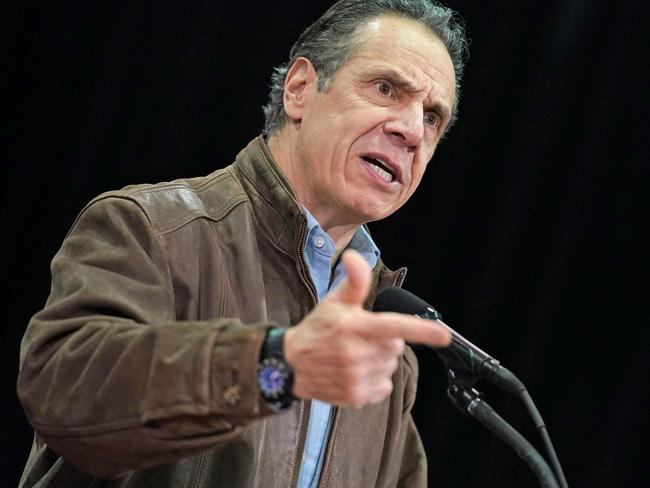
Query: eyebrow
407	84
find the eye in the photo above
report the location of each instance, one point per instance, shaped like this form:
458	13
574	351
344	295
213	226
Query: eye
384	87
431	119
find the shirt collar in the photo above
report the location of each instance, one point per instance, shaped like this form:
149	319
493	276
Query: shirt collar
360	242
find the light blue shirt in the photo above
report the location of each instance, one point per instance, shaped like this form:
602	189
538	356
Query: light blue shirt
319	251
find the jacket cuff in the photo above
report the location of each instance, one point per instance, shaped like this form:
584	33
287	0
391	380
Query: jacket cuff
234	389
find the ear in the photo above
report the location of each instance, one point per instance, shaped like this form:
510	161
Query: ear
298	84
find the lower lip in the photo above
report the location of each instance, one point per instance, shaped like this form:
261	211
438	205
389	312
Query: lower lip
377	178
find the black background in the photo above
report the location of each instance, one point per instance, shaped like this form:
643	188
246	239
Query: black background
529	231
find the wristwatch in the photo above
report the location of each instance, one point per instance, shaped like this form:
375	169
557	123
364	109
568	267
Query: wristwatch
274	374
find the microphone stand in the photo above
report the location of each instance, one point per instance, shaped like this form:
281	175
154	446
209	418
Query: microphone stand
466	364
468	400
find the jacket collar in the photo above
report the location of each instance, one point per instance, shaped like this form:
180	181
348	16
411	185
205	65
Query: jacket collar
282	217
271	194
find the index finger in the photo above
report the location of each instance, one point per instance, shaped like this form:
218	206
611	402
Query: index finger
408	327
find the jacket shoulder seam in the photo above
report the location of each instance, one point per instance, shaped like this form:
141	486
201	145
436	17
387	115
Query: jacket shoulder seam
219	214
163	227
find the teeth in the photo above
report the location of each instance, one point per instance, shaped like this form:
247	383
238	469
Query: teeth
384	174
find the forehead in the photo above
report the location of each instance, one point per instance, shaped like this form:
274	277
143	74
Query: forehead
408	47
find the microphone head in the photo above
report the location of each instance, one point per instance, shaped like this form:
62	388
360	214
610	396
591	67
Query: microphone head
399	300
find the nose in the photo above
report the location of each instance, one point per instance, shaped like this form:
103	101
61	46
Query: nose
406	125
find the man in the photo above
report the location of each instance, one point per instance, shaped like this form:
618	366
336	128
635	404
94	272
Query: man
210	331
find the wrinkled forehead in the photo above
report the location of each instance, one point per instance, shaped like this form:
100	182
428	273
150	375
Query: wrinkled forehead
407	46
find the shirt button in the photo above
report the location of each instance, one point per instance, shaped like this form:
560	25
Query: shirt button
319	241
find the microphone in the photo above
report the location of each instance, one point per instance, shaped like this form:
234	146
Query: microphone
465	362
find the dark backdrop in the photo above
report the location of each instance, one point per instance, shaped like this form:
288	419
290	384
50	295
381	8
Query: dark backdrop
527	232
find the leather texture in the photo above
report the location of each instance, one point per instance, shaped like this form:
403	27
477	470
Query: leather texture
141	368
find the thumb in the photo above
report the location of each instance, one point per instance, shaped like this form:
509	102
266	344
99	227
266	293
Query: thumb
356	286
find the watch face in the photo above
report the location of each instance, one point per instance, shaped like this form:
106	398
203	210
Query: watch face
272	377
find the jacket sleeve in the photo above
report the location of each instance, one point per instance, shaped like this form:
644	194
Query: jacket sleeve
108	378
413	462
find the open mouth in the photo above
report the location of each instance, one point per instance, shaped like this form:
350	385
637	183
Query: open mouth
381	168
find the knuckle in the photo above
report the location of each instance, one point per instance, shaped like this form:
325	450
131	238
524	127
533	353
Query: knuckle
356	397
347	322
388	388
393	364
353	376
348	354
347	360
382	392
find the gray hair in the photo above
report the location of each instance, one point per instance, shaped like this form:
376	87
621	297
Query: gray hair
330	41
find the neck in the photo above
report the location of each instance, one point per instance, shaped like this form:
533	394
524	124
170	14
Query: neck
283	148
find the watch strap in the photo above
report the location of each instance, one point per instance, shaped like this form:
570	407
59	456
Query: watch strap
273	345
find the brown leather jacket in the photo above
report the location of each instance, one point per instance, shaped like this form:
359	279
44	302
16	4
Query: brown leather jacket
141	368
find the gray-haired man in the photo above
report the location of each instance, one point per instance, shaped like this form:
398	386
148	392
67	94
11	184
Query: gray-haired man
215	331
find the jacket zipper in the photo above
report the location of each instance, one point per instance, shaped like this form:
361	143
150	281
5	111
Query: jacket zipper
303	265
335	409
399	280
326	455
305	408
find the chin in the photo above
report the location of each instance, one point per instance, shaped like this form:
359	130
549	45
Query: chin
374	214
369	206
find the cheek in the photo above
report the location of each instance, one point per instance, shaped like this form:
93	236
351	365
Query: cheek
416	176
